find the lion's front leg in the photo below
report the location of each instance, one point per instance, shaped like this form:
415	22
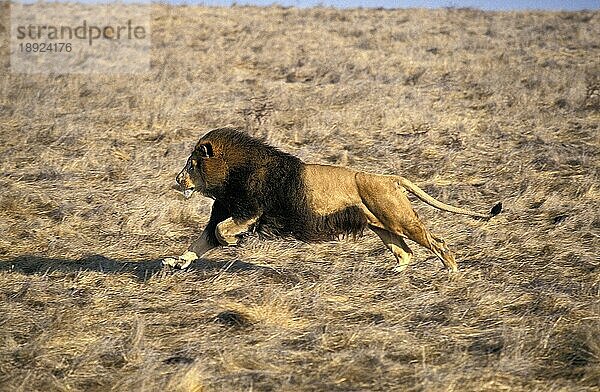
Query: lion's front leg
196	250
206	242
228	230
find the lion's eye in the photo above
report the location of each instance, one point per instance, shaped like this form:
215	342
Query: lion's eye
191	163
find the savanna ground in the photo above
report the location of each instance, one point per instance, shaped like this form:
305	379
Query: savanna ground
476	107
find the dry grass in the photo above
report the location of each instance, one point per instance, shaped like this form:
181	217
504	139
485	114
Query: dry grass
474	106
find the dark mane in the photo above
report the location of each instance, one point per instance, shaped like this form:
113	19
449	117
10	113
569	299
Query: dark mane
267	181
235	139
309	227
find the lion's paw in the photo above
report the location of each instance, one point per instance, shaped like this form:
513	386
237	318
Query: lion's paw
176	263
181	262
225	238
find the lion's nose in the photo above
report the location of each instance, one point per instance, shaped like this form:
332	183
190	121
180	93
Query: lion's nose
179	178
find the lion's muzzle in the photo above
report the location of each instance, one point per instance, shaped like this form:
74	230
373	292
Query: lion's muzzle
185	183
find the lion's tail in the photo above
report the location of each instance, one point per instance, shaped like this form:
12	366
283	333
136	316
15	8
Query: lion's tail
421	194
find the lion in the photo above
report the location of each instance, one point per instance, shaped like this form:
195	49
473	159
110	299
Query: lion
258	188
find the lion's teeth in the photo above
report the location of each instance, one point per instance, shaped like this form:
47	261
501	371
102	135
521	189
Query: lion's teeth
187	193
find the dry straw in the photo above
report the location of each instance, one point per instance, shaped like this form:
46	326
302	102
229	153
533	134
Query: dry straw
475	107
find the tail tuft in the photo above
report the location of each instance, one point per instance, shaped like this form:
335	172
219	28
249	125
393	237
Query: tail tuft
496	209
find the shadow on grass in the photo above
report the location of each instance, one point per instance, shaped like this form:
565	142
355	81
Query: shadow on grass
141	269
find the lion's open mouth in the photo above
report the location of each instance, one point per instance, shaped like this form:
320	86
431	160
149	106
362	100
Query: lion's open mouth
187	193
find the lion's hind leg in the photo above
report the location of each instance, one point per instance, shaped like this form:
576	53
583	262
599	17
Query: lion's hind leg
397	246
390	209
419	234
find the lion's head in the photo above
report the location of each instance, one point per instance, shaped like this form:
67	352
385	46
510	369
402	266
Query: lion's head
227	163
204	170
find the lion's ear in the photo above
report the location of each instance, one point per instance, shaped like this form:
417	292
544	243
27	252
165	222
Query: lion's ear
205	150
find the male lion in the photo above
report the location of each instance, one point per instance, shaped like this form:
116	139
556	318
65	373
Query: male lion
260	189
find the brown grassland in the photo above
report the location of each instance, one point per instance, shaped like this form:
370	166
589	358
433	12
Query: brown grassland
474	106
